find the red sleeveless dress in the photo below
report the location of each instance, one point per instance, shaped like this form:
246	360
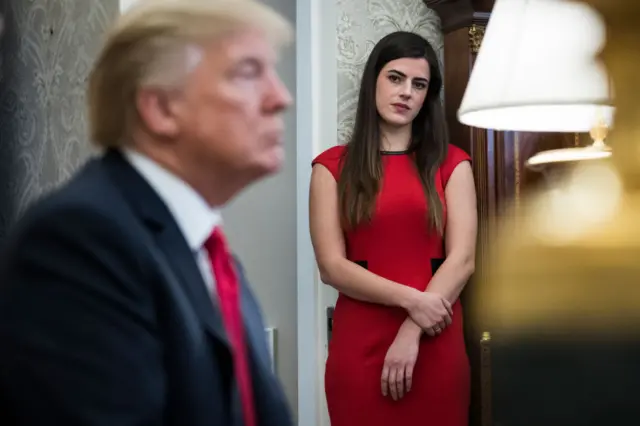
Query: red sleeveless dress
397	244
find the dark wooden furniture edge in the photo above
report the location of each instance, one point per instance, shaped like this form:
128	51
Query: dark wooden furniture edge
457	14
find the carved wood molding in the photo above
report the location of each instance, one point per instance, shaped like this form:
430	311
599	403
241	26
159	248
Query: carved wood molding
456	14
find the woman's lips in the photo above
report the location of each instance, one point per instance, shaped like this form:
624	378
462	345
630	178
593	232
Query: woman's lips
401	108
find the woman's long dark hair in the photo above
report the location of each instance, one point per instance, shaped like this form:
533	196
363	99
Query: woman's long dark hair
359	181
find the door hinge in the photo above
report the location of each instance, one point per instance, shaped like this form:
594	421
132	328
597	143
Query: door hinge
330	310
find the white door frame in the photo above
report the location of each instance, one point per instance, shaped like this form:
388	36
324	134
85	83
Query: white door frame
316	121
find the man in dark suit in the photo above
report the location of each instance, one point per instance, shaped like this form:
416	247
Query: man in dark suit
120	304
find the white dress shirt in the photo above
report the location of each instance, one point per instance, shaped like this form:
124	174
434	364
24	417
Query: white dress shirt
191	212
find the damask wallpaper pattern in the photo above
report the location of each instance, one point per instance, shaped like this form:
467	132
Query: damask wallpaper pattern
360	24
46	52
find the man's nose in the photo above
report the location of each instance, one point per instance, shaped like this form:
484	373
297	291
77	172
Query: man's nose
279	97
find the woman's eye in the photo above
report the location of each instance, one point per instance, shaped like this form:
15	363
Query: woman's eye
420	86
394	78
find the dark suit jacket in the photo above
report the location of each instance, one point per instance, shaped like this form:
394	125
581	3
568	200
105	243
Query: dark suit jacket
105	318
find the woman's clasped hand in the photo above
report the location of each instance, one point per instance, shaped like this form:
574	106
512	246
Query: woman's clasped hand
431	311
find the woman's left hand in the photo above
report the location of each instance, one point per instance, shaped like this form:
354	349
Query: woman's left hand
397	373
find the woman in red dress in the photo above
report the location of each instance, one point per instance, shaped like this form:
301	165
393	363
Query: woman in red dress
393	224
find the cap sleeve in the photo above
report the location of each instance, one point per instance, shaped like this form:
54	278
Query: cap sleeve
331	159
454	157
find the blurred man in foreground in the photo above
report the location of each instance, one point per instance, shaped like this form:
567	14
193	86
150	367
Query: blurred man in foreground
119	301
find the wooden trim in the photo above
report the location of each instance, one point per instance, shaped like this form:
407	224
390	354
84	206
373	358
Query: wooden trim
456	73
517	172
487	152
486	390
457	14
454	14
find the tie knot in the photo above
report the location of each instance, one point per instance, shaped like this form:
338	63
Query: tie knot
216	241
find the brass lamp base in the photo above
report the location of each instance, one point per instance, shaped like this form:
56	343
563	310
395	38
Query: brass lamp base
572	267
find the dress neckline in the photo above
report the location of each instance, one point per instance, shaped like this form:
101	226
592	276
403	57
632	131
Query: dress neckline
406	151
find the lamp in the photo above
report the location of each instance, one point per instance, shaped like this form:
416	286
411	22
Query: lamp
562	284
569	263
537	71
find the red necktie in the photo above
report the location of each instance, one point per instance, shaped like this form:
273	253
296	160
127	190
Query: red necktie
229	297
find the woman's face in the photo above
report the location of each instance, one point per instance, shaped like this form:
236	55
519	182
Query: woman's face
400	90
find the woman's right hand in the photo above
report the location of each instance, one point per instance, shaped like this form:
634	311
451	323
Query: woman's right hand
430	311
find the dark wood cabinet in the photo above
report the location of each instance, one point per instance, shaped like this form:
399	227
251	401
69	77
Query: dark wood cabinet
499	168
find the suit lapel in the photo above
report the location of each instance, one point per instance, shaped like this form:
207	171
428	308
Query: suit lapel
270	401
183	262
254	346
154	213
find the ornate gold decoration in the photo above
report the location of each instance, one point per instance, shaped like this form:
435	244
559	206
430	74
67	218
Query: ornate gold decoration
569	267
600	131
476	34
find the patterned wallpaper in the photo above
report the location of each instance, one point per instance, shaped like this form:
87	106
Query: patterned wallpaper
360	24
45	55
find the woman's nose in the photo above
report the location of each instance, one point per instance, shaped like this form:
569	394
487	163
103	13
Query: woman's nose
406	90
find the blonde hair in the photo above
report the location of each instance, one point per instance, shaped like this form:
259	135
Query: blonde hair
149	40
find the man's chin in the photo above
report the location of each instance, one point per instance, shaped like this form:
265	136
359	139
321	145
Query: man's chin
273	168
274	160
267	167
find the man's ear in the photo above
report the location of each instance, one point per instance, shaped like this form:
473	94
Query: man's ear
154	110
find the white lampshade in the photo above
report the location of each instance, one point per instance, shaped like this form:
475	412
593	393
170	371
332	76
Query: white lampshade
536	69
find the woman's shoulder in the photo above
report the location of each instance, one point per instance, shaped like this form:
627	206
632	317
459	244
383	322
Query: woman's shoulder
334	153
454	157
331	158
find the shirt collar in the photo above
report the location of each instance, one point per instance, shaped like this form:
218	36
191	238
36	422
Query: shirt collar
195	218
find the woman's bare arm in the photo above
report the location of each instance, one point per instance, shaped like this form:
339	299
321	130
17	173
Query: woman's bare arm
460	242
329	246
460	235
